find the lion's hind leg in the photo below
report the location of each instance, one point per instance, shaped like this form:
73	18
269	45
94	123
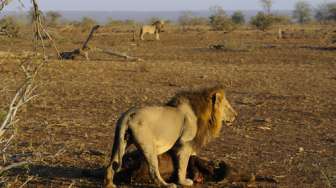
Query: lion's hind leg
153	166
148	148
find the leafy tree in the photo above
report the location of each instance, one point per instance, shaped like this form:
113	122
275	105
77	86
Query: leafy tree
219	20
302	12
238	17
262	21
326	12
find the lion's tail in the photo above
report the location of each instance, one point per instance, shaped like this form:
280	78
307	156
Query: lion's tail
120	140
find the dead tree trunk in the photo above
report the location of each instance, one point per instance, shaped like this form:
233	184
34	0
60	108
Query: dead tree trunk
83	51
85	45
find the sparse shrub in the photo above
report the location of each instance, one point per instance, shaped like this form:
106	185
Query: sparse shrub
302	12
219	21
185	18
87	23
112	22
238	17
129	22
280	19
52	18
188	19
262	21
9	26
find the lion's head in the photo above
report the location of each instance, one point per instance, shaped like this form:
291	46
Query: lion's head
159	25
222	106
211	108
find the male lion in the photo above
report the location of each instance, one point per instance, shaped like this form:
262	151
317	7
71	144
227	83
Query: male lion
188	122
155	28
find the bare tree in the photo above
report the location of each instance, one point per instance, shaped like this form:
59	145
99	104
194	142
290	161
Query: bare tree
267	5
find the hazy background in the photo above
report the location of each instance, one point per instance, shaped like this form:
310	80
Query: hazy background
158	5
143	10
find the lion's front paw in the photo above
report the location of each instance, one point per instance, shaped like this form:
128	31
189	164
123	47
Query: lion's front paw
186	182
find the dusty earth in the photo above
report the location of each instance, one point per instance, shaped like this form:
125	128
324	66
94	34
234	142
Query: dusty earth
284	91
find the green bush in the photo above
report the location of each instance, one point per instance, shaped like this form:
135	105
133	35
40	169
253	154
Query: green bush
326	12
219	21
262	21
238	17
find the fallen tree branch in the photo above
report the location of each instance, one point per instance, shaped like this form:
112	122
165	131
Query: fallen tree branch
118	54
14	165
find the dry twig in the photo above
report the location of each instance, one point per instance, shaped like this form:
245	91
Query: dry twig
25	91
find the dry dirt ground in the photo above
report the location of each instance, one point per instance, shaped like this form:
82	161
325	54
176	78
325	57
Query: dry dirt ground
284	91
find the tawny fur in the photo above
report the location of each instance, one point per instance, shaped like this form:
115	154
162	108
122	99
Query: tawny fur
208	119
184	125
154	28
